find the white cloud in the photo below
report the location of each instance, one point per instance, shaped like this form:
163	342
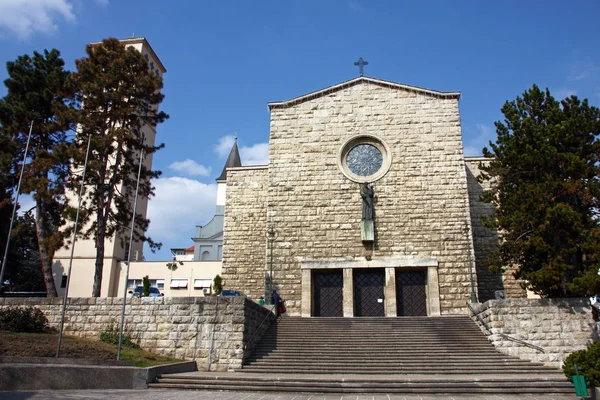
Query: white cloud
224	146
257	154
563	93
584	70
355	6
190	167
179	205
475	143
27	17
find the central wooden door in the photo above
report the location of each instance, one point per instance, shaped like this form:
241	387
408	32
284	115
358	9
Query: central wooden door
368	292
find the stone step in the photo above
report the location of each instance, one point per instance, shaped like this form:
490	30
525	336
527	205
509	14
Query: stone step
379	371
388	361
407	386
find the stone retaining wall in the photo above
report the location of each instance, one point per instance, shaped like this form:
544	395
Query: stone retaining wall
558	326
213	331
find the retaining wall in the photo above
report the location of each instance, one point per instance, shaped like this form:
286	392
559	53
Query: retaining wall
216	332
558	326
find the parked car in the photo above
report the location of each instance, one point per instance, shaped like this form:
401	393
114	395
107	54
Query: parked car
139	290
231	293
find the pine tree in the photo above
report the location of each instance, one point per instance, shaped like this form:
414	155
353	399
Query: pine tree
119	95
544	172
40	91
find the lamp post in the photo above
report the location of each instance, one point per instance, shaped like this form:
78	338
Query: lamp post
271	235
470	261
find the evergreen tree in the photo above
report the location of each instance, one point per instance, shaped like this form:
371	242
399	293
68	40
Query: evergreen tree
23	263
544	173
39	90
119	95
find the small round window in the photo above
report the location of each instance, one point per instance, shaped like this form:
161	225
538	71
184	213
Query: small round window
364	158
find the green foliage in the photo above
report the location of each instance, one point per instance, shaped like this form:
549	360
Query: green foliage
544	172
588	363
23	262
23	319
119	95
111	335
40	92
146	285
217	285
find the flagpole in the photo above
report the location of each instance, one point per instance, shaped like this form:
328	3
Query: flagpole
64	306
12	218
137	188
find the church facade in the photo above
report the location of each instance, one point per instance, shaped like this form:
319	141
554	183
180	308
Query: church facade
418	249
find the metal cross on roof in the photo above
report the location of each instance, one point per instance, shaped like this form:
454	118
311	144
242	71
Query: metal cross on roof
360	64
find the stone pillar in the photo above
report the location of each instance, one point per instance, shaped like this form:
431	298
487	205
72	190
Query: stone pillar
306	305
390	292
433	292
348	293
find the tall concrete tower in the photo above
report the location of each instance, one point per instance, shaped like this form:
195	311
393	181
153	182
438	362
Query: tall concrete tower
84	256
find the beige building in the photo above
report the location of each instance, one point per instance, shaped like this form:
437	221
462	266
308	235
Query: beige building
408	249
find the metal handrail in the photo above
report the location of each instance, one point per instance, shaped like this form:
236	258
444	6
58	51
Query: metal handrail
512	339
262	322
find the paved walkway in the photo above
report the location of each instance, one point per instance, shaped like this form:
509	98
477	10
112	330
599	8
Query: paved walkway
213	395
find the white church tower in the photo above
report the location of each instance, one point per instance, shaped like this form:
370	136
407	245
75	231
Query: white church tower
84	256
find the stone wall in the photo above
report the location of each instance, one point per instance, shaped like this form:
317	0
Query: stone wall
485	240
421	204
245	227
558	326
213	331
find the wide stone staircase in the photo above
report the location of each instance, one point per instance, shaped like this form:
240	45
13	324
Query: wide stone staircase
406	355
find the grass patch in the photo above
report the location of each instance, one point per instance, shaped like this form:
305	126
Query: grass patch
44	345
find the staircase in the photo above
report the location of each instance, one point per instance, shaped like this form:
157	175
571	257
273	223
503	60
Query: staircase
418	355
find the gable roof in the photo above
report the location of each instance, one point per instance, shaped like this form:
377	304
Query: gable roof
358	80
232	161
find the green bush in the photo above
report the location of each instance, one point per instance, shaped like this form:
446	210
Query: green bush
23	319
111	335
588	363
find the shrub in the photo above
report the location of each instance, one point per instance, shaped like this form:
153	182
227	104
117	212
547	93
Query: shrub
218	284
111	335
23	319
146	285
588	363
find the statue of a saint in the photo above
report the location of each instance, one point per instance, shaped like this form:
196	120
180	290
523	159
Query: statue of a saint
367	192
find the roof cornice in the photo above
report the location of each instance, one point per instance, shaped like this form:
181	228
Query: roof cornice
355	81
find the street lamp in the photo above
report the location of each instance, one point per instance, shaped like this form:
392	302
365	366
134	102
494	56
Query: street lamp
271	236
470	261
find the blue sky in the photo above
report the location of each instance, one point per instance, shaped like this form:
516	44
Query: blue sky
226	60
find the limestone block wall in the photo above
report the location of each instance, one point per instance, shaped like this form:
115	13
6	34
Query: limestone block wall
421	204
486	239
213	331
245	227
559	326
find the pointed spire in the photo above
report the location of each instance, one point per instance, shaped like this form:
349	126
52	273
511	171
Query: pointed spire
232	161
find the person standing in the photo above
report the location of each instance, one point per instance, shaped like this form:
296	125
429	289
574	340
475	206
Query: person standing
276	301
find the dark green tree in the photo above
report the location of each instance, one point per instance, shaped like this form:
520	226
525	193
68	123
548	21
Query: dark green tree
146	286
218	284
119	95
23	264
40	90
8	153
544	172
